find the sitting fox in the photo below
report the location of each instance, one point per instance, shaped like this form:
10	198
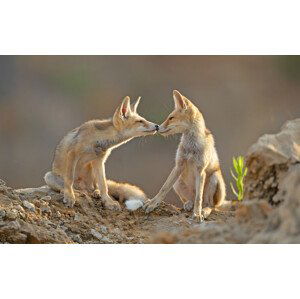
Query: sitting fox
80	157
196	177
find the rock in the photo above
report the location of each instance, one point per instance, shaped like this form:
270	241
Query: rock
77	217
19	208
103	229
12	214
105	239
29	206
254	209
77	239
269	160
284	225
2	183
45	209
40	191
96	234
46	198
2	214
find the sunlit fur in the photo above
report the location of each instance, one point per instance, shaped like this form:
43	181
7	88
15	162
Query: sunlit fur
196	177
81	155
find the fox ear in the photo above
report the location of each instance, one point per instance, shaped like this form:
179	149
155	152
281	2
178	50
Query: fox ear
125	108
122	111
179	100
135	105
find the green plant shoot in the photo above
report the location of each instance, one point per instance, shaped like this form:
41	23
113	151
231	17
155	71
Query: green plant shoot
241	171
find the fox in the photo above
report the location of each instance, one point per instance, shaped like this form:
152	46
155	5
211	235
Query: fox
79	159
196	177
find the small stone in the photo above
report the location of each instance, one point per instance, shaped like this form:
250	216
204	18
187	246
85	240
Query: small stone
46	198
19	208
2	183
45	209
105	239
12	214
117	231
29	205
77	217
2	214
96	234
77	239
58	214
103	229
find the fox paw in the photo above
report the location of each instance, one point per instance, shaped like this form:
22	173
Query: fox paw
69	201
151	205
111	204
96	194
198	217
188	206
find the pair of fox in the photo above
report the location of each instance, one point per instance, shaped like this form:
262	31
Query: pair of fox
79	161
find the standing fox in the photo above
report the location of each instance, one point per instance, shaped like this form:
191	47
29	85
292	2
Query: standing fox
80	157
197	176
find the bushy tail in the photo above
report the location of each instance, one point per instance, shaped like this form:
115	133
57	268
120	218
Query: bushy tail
133	196
54	181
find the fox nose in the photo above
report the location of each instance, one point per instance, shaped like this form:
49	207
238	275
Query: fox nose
156	127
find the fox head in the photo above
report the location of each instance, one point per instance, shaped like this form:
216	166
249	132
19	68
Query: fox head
184	116
127	121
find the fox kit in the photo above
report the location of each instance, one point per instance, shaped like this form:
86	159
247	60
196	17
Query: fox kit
80	157
196	177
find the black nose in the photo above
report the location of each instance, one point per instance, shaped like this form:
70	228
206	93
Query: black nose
156	127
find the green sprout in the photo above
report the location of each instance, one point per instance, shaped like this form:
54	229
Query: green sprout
241	171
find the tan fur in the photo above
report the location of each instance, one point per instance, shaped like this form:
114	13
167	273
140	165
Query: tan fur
81	155
196	177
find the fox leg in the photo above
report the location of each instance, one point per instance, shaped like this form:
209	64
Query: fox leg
69	197
185	194
155	202
100	181
200	181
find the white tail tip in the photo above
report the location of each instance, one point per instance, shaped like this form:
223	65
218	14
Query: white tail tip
133	204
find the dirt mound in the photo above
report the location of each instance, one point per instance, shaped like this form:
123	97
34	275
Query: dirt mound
37	215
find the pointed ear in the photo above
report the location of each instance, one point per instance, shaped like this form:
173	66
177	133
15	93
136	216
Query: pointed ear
124	110
179	100
135	105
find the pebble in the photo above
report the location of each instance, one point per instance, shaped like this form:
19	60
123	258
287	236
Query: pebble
77	217
29	205
12	214
103	229
96	234
45	209
2	183
77	239
19	208
105	239
2	213
46	198
58	214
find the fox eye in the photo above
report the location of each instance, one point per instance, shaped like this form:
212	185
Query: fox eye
140	121
170	118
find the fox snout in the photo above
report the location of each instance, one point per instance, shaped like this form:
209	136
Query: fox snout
157	128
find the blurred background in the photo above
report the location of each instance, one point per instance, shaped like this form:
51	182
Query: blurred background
43	97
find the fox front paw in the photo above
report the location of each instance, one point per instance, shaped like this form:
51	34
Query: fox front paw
198	217
188	206
96	194
69	200
151	205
